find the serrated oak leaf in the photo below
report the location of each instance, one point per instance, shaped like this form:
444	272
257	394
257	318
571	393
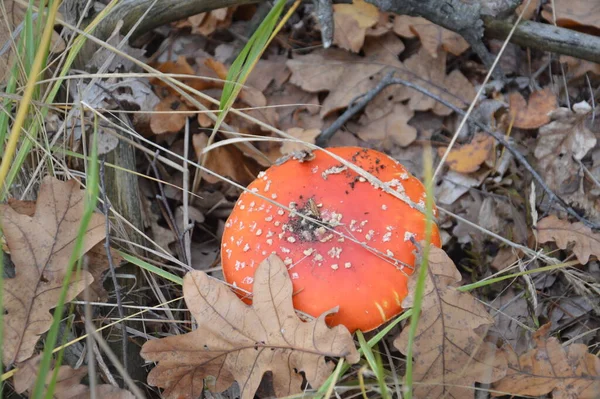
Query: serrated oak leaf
562	232
237	342
40	247
449	352
567	372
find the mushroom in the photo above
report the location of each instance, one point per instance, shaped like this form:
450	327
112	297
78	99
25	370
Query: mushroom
346	240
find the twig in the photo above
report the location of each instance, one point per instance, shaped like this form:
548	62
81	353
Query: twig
547	38
111	265
353	109
324	13
171	219
464	19
500	139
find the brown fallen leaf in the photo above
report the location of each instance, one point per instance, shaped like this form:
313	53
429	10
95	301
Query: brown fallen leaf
351	22
391	129
345	75
585	242
67	385
237	342
566	372
227	161
433	37
560	144
96	258
581	15
170	116
308	136
533	113
429	73
468	158
40	248
576	68
449	351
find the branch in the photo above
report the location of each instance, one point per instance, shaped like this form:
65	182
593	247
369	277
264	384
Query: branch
547	38
163	12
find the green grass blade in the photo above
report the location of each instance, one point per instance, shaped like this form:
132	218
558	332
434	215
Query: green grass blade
151	268
90	206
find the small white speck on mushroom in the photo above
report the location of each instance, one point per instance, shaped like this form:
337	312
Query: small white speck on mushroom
292	205
224	245
308	251
254	190
248	280
291	239
258	232
246	248
334	266
295	276
288	261
315	169
335	252
318	257
270	234
408	235
264	253
384	207
269	218
261	174
387	236
341	239
228	252
369	235
347	265
332	171
252	204
268	185
232	239
352	225
270	241
389	253
239	242
362	179
280	212
239	265
242	207
277	223
285	250
326	238
280	235
274	196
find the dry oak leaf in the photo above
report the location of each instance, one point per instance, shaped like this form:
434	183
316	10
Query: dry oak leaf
346	76
560	144
40	248
581	15
569	372
96	258
67	384
227	161
563	233
450	354
391	129
533	113
433	37
170	116
238	342
468	158
306	135
351	22
430	73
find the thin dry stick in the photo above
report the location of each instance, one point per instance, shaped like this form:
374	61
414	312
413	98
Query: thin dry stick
163	199
355	107
111	265
500	139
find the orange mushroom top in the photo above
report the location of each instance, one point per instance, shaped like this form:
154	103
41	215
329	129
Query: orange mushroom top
346	242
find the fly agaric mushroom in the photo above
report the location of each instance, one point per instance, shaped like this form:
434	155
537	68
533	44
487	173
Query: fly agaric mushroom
346	242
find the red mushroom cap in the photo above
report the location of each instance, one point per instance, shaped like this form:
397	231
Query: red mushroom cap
358	256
